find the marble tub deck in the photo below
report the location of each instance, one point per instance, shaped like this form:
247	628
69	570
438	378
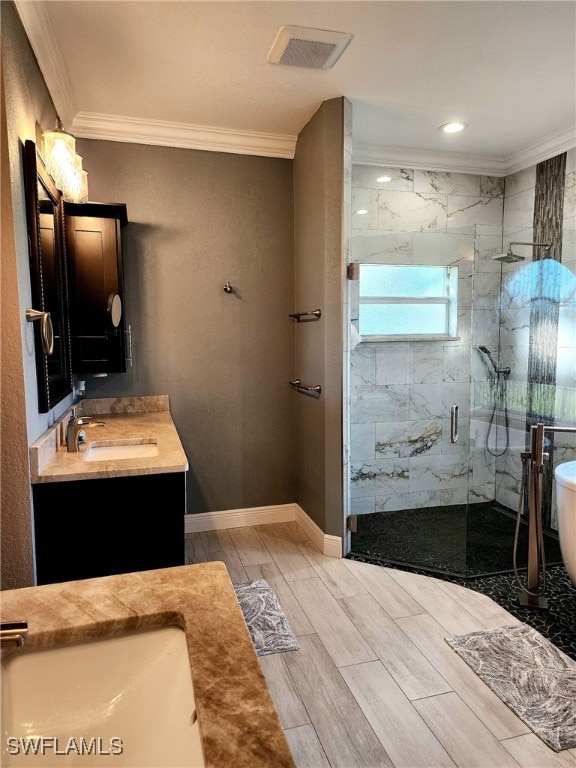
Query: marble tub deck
238	720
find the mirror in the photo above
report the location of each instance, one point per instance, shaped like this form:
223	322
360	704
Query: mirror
115	309
49	313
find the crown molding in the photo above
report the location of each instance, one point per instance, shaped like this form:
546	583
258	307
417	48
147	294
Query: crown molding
90	125
427	159
456	162
40	32
38	27
548	147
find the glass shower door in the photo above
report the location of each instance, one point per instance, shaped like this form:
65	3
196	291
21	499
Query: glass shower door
410	471
421	499
429	497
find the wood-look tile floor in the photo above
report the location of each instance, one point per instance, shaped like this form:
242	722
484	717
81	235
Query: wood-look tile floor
374	682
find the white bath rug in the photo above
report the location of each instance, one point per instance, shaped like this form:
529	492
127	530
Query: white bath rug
531	675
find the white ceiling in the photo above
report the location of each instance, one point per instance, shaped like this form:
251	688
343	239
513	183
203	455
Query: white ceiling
190	73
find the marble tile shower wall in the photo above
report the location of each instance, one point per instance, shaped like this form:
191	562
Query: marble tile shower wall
515	325
401	392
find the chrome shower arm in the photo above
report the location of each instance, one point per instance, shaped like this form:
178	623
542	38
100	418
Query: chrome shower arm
535	245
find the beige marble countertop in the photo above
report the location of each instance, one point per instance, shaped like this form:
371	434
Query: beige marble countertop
239	724
126	420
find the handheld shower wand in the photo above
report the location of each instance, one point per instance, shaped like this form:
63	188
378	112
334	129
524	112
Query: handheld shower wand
487	353
498	371
499	400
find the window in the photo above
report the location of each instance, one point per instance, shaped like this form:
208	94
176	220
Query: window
403	302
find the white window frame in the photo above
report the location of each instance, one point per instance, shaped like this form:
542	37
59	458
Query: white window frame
449	300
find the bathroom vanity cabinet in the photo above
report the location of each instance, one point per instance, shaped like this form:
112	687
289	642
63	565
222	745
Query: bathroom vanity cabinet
89	528
97	515
96	286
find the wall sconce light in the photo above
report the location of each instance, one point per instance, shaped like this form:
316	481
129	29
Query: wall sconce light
64	165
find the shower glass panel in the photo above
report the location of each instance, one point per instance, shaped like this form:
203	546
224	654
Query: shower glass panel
423	501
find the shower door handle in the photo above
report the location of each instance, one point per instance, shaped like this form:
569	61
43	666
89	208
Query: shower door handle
454	424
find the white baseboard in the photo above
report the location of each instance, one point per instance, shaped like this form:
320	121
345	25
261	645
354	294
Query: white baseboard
331	546
238	518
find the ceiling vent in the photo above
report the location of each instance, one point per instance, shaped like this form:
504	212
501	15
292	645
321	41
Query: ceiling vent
311	48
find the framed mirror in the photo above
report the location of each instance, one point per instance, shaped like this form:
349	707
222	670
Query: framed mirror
49	311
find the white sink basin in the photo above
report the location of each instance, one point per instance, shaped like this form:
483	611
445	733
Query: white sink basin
120	451
132	693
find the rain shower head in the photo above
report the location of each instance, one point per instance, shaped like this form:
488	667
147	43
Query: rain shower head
509	257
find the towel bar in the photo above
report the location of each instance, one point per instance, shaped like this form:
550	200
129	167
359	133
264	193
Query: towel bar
313	314
297	384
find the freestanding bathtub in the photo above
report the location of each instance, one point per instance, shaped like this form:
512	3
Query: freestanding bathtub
565	477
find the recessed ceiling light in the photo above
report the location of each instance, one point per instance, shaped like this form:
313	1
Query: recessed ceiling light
452	127
383	179
361	211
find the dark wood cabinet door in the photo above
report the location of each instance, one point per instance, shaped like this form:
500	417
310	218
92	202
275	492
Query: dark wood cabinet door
85	529
94	244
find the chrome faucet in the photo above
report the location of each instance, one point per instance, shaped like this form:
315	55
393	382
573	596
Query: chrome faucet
76	431
537	432
532	594
13	633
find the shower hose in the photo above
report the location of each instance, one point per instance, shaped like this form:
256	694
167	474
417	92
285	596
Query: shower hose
500	398
537	488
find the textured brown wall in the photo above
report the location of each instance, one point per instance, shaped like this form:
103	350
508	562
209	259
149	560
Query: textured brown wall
26	101
16	553
198	219
318	253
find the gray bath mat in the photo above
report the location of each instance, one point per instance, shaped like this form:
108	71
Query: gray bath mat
533	677
267	624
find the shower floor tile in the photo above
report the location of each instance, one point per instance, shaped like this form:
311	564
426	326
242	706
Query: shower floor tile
459	540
